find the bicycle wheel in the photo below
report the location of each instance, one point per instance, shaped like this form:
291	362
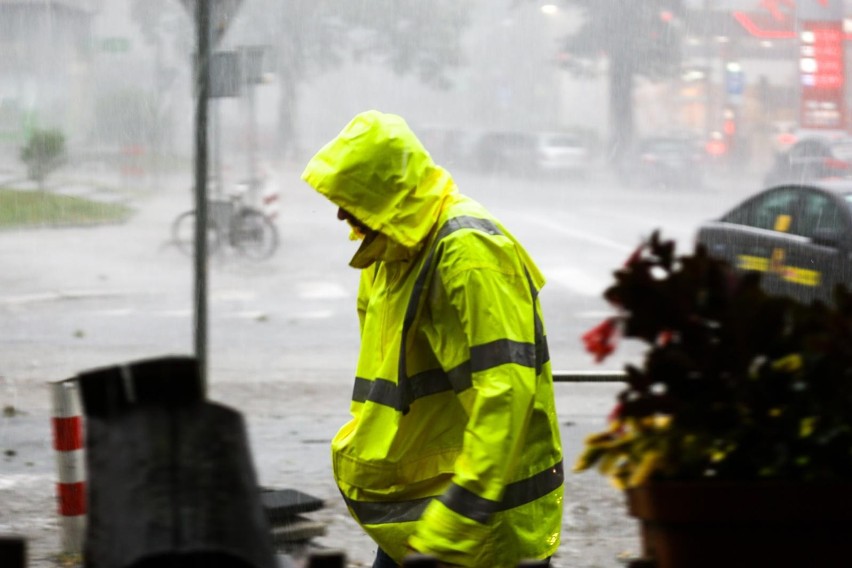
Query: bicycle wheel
183	235
253	234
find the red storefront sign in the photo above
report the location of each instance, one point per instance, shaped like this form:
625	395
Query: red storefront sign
817	25
821	70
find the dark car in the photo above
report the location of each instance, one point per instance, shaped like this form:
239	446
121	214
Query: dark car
812	159
505	152
533	153
451	147
799	237
663	161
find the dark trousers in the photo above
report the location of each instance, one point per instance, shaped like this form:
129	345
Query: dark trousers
385	561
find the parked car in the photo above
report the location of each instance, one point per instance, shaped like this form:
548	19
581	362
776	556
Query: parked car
812	159
450	147
665	161
503	152
799	237
533	153
557	153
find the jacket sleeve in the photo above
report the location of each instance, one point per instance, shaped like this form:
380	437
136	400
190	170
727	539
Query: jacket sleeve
494	311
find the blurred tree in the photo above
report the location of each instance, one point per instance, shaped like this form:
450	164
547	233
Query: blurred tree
638	39
165	27
312	36
44	153
307	37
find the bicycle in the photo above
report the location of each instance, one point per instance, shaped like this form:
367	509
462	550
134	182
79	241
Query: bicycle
230	221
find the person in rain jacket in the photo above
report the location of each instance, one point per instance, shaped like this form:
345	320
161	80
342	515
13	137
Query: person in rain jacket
453	449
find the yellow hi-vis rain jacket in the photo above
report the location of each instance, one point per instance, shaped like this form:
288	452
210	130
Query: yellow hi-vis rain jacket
453	447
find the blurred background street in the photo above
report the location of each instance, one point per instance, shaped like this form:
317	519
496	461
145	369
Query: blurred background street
582	125
283	333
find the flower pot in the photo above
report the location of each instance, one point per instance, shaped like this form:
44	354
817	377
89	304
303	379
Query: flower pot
698	524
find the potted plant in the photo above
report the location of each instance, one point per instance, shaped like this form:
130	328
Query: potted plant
733	437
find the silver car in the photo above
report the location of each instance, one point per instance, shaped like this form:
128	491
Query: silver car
533	153
561	153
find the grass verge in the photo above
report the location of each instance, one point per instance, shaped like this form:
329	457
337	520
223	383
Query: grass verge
42	208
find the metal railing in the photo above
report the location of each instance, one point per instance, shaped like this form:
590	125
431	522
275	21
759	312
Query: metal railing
589	376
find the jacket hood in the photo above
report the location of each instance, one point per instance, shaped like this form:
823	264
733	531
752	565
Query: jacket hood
377	170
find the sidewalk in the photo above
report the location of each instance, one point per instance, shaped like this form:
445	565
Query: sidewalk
293	401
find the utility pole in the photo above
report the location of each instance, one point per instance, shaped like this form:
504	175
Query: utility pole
202	89
206	13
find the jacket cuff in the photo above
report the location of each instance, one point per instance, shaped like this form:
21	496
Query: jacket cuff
448	536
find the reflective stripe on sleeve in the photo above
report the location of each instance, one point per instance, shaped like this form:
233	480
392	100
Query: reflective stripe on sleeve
382	391
500	352
469	504
461	501
458	379
479	509
488	356
372	513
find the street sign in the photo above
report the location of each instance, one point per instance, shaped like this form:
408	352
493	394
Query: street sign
252	63
225	74
225	78
822	73
114	45
734	82
221	14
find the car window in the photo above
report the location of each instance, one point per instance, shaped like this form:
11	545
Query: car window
809	149
820	213
774	211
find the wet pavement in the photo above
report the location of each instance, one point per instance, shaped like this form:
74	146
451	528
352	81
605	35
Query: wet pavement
293	401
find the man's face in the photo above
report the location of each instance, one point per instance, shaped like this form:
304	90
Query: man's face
359	227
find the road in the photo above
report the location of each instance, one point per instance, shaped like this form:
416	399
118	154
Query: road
283	333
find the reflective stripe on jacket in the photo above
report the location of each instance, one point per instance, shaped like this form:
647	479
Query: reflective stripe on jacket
453	447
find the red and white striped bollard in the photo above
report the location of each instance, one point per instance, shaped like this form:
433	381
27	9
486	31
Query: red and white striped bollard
68	441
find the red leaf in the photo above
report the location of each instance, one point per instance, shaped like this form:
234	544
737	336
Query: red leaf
600	340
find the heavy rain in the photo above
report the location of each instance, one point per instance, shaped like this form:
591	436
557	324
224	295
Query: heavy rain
583	125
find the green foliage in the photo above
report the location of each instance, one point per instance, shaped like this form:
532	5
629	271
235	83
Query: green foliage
164	23
736	383
44	153
639	39
149	16
642	38
310	36
38	208
409	36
